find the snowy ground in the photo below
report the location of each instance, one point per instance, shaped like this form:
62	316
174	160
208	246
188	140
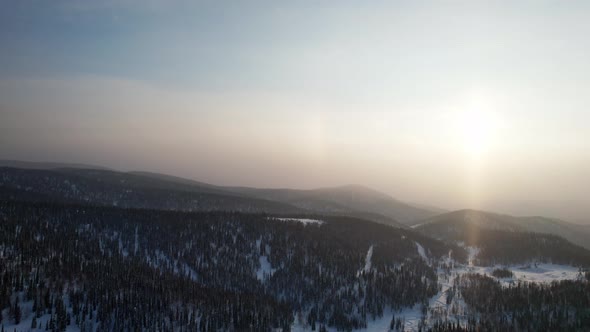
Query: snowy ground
265	269
421	251
27	318
535	272
368	260
543	273
412	317
302	220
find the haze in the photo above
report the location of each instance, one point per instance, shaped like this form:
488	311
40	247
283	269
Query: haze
459	104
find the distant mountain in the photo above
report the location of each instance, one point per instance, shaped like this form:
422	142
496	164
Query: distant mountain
45	165
344	199
465	218
444	224
109	188
503	239
170	179
573	210
350	200
153	190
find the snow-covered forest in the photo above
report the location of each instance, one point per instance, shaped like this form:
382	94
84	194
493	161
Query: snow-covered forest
85	253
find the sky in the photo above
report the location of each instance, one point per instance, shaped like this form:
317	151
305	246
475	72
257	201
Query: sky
462	104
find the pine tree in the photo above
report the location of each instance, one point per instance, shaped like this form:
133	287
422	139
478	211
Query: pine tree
17	312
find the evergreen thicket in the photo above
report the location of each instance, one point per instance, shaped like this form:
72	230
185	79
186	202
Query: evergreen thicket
131	269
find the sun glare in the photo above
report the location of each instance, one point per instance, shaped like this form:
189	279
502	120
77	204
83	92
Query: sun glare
477	130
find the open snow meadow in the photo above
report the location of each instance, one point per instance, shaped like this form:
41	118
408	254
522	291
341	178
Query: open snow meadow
304	221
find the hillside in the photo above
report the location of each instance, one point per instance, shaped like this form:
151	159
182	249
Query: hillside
135	269
464	219
129	251
499	239
45	165
109	188
344	199
144	189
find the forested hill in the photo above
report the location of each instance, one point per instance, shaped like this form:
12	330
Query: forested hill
149	190
144	189
110	188
505	243
345	199
98	250
132	269
464	219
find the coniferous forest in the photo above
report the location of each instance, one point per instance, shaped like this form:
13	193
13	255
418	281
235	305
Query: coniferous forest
91	265
294	166
127	269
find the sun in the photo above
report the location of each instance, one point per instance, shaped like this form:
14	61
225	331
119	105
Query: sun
477	129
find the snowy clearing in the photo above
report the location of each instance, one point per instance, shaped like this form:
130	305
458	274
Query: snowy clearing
421	251
265	269
533	272
304	221
539	273
368	263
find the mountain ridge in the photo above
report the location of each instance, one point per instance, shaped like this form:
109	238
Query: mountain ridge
136	189
577	234
350	199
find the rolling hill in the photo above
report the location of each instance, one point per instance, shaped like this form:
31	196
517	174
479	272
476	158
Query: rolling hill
153	190
344	199
109	188
68	183
194	249
45	165
444	224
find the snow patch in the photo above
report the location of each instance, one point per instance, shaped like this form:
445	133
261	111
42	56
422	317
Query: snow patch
368	263
421	251
136	244
302	220
473	252
265	268
538	273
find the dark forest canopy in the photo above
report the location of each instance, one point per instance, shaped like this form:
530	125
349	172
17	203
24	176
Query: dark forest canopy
139	268
69	256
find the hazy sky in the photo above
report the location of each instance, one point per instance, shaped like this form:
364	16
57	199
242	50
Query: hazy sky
455	104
